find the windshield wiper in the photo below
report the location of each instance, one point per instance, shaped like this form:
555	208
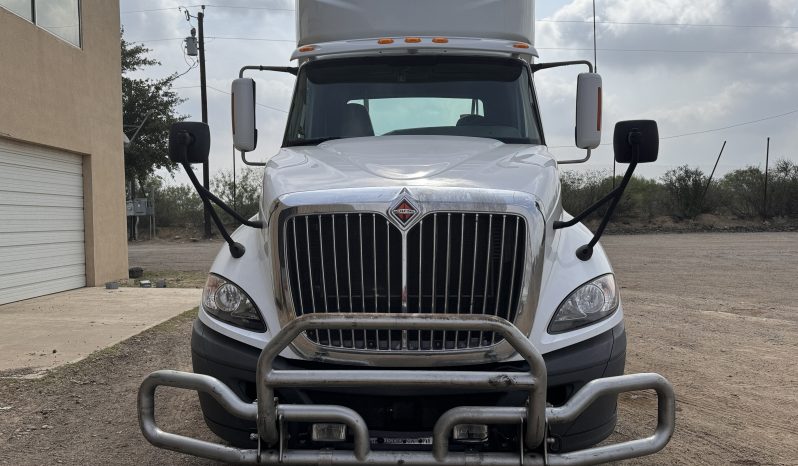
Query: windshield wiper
310	142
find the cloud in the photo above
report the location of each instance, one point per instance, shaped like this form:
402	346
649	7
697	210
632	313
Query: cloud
685	91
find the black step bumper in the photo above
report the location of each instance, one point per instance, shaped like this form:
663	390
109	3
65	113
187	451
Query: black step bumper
568	370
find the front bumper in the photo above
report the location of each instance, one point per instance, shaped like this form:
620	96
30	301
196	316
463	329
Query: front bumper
531	382
413	412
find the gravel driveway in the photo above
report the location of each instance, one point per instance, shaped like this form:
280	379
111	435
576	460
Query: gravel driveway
715	313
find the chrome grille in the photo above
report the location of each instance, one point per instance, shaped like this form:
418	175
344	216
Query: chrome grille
456	263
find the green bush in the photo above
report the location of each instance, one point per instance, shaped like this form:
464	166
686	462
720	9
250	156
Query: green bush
178	206
783	189
643	197
686	187
744	191
581	189
679	193
245	199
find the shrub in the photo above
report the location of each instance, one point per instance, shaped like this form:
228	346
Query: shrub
245	199
643	198
178	206
686	188
580	189
783	189
744	192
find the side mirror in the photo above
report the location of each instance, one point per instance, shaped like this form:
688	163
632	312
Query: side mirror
636	140
189	142
245	135
588	111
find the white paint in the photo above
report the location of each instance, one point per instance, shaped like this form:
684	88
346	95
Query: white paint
388	162
245	136
588	111
321	21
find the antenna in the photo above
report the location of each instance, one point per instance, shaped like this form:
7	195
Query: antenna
595	50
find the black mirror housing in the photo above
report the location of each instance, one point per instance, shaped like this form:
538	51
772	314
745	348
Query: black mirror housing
189	142
636	138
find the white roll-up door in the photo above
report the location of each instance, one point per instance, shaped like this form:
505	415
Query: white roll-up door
42	245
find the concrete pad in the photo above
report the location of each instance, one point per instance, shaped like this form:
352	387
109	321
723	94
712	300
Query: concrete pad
42	333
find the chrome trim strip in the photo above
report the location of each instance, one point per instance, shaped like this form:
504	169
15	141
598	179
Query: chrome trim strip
500	286
310	264
296	256
460	280
378	200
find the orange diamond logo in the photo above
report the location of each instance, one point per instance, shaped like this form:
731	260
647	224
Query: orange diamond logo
404	211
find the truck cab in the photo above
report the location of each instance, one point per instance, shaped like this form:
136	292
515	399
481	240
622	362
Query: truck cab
411	289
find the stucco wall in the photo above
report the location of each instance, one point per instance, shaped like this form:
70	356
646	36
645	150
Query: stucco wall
58	95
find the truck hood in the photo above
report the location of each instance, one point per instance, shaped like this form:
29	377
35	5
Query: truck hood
408	161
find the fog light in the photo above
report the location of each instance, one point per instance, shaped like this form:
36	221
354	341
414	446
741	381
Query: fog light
328	433
471	433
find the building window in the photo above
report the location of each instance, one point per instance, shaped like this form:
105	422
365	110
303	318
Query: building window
60	17
22	8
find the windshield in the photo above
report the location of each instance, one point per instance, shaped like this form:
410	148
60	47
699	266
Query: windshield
432	95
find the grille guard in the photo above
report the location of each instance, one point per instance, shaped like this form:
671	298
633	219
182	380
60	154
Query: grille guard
269	415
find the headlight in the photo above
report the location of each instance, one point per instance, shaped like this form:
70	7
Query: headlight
227	302
589	303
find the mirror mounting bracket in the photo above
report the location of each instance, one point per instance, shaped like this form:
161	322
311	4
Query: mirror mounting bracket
237	250
189	142
557	64
585	252
283	69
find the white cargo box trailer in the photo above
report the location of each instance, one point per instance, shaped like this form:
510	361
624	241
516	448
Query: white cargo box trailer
321	21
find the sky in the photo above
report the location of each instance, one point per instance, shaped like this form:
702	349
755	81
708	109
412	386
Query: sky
708	71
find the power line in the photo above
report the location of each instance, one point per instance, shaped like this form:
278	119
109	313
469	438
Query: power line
544	20
148	11
646	23
252	39
256	103
713	130
567	49
736	125
264	39
208	5
227	93
706	52
241	7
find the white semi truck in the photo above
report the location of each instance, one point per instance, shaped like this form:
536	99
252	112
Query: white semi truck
411	291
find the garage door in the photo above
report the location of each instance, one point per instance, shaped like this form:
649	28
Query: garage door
42	248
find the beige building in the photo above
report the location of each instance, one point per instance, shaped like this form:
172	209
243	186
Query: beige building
62	195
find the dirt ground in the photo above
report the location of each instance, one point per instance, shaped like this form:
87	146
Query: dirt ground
715	313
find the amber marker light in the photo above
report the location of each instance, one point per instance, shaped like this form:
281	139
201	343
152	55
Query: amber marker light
307	48
385	41
521	45
440	40
412	40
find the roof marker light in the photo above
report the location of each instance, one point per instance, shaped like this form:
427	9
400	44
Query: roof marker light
412	40
521	45
385	41
440	40
307	48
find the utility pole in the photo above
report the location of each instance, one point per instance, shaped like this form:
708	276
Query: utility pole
709	181
767	161
204	97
